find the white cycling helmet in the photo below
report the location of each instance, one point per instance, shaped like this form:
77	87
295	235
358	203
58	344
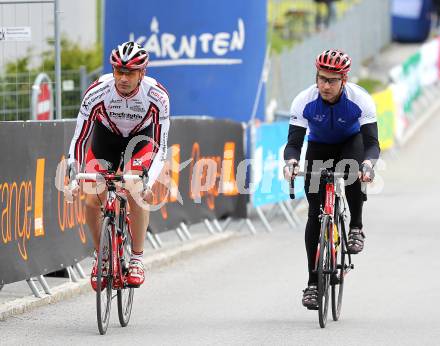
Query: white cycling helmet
129	55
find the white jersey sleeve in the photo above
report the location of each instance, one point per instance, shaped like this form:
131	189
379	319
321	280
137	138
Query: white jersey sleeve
298	105
160	133
365	103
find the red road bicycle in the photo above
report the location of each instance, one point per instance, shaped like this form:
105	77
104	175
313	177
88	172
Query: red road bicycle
332	261
114	248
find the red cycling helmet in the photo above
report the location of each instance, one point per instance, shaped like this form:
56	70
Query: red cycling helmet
129	55
333	60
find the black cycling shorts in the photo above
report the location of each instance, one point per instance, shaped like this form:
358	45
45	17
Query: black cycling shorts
109	151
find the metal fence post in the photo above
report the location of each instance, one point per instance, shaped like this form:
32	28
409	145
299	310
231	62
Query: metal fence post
158	240
180	235
185	230
44	284
83	81
293	214
152	241
57	59
263	219
226	223
286	214
80	271
72	274
34	288
217	225
209	226
251	226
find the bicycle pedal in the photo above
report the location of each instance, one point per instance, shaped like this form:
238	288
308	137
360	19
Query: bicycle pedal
312	308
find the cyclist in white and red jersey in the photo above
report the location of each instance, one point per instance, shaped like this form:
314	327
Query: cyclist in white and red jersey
121	108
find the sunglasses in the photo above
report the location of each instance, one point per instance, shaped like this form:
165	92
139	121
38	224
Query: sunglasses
330	81
124	71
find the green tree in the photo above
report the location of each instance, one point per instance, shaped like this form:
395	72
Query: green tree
73	56
16	83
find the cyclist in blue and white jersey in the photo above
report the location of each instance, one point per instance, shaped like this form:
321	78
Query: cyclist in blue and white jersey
342	124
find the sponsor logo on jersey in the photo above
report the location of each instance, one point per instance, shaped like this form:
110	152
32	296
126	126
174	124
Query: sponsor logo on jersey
319	117
88	101
137	162
158	96
137	108
92	96
123	115
94	92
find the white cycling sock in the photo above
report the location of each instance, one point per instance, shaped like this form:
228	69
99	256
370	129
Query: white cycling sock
137	256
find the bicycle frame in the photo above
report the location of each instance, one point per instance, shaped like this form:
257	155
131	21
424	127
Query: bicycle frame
328	212
112	210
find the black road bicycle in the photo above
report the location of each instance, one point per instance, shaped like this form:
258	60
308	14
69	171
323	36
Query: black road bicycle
332	260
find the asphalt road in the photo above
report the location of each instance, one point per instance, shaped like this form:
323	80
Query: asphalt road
248	291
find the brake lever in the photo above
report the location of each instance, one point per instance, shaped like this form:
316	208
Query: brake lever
292	182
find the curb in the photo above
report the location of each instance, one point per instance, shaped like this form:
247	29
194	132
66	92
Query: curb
74	289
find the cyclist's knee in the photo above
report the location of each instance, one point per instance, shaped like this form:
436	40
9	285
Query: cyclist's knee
137	205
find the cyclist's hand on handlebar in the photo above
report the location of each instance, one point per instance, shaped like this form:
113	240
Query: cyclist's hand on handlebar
147	195
71	187
291	169
366	173
71	191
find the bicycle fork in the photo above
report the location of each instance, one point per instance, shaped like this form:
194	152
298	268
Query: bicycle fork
329	235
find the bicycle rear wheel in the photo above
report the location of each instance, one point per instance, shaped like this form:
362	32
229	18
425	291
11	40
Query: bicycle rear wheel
104	277
338	285
125	295
323	272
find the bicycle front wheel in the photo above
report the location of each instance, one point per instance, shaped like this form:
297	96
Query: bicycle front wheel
323	271
104	277
338	279
125	295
